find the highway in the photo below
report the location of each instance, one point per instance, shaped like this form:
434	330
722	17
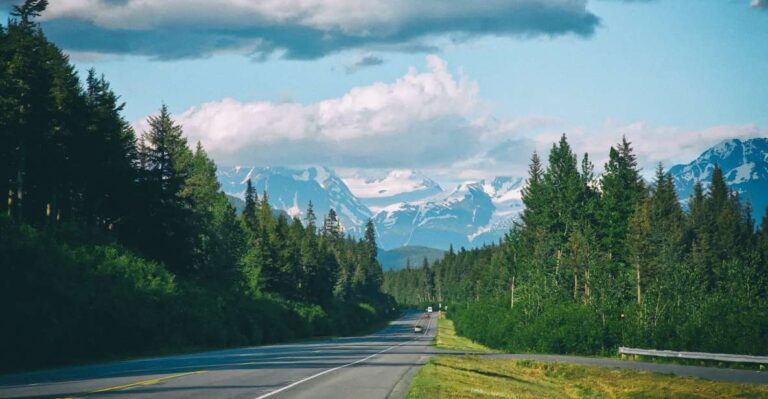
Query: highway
379	365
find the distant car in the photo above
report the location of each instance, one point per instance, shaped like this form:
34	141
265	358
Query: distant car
417	329
429	309
426	315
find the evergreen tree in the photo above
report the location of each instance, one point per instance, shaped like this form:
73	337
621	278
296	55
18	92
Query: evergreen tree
332	225
622	189
168	228
311	219
533	196
251	205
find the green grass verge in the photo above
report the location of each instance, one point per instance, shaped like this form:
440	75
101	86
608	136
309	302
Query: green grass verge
448	339
472	377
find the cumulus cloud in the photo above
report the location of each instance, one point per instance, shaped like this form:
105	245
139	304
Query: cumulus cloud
432	120
759	4
298	29
421	118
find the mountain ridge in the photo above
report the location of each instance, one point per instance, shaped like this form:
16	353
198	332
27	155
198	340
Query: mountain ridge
745	168
410	209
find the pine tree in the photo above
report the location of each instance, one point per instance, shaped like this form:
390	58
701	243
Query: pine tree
30	9
656	235
622	189
370	242
311	219
332	226
250	211
532	195
762	245
168	228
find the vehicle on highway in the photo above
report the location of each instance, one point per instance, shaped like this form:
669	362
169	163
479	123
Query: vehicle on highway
429	309
417	328
426	315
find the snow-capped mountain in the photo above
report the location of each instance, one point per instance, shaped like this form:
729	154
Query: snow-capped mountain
292	189
399	185
474	213
745	167
409	208
412	210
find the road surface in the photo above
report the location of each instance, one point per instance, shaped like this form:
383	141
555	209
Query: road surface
379	365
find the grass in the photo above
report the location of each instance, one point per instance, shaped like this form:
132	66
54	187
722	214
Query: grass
447	338
473	377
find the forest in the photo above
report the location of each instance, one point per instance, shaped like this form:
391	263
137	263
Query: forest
597	262
116	244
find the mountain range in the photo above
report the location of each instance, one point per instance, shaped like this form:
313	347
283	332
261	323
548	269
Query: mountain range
410	209
745	167
407	208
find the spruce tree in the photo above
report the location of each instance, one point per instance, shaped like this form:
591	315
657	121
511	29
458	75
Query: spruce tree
532	195
621	190
311	219
168	230
250	211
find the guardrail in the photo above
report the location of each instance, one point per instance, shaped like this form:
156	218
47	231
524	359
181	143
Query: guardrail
719	357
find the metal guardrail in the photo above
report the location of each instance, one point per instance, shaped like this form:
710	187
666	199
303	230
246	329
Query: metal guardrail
720	357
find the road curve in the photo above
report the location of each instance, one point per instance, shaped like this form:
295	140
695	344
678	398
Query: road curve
379	365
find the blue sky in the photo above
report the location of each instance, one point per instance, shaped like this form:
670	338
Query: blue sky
675	76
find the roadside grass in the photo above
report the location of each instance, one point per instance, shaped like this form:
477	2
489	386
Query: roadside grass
448	339
459	377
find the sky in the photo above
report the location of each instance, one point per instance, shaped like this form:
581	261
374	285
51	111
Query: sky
459	90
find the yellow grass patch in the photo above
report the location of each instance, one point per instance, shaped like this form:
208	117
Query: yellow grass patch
447	338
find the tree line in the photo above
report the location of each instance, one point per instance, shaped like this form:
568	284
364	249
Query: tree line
597	262
116	244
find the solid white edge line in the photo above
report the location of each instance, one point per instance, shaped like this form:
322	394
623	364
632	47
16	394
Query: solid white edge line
276	391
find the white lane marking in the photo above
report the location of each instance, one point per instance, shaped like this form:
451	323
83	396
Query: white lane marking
428	325
276	391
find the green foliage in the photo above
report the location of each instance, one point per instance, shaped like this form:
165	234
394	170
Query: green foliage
591	269
113	246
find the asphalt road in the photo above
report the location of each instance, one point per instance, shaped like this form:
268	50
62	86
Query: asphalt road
379	365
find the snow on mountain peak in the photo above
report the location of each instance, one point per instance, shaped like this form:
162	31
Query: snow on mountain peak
745	168
291	190
378	189
395	182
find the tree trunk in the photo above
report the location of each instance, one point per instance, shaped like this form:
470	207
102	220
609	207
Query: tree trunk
512	294
586	286
20	182
10	202
637	271
575	285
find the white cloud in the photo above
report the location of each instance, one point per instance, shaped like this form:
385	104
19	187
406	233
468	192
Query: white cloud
432	120
379	124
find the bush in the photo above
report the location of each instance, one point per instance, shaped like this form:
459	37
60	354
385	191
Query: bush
64	300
